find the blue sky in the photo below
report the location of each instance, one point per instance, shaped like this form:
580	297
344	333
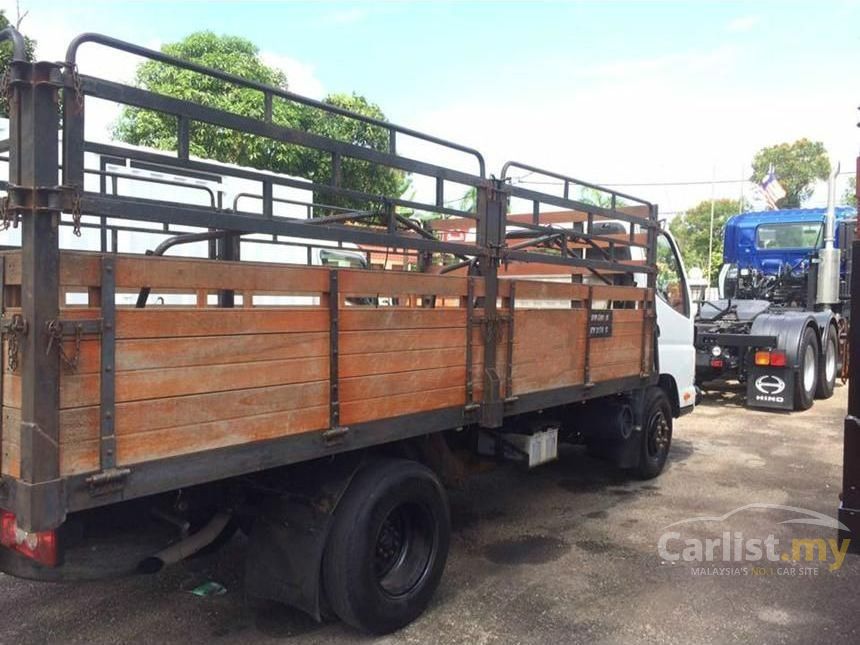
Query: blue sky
621	92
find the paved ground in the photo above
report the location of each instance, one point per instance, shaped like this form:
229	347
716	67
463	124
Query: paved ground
567	553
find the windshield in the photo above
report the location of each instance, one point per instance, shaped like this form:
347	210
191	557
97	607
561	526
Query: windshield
789	235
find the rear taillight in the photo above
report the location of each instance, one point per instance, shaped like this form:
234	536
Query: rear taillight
775	358
40	546
717	363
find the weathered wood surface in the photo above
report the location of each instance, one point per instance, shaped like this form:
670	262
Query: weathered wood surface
199	377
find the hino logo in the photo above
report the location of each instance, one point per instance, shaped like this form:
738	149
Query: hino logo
770	385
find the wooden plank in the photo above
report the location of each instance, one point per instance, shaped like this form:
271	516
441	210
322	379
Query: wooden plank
138	354
636	294
372	318
416	383
150	323
393	283
10	460
81	424
79	390
403	361
81	269
11	391
366	409
399	340
159	444
536	290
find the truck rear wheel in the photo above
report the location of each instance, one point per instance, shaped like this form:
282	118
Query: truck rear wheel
827	366
656	433
807	376
387	547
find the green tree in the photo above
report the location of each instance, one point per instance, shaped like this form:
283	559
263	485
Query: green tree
6	56
691	231
241	57
797	165
850	196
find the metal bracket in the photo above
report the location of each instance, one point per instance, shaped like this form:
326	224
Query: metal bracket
108	481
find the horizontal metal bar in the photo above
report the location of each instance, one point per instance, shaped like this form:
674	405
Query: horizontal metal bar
572	204
280	180
188	215
570	180
127	95
710	339
107	41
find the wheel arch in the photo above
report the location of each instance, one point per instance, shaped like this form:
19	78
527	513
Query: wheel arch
666	382
789	327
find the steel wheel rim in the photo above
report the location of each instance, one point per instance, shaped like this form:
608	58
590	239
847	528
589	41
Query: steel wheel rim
404	548
830	361
658	434
809	368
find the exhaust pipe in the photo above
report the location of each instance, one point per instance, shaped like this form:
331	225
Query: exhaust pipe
829	257
186	547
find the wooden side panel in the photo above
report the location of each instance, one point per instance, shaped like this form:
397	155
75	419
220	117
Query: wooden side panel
197	378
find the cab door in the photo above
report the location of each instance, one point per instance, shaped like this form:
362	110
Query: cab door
675	347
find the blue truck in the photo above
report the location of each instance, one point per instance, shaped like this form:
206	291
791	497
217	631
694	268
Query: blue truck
780	323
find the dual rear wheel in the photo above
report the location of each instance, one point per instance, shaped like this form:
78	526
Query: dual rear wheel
816	376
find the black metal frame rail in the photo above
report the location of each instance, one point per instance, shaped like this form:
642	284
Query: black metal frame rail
36	199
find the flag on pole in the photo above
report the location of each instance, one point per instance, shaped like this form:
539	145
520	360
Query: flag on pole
771	188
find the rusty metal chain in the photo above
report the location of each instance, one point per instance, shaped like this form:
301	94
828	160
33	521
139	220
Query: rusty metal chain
14	329
76	212
55	333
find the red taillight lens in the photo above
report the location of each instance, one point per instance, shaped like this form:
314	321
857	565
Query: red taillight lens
717	363
778	359
40	546
762	358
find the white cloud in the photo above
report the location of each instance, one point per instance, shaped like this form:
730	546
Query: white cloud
742	23
301	77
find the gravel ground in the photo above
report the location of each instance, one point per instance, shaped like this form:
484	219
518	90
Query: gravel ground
566	553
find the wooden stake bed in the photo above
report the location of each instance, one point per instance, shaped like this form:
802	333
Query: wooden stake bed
189	379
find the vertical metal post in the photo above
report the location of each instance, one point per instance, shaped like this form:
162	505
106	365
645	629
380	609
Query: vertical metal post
849	508
334	351
586	377
107	443
470	314
509	361
492	211
227	248
649	316
34	161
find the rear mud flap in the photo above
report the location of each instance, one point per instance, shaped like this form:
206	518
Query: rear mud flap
771	388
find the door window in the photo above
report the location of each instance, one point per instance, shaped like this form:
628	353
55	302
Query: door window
671	287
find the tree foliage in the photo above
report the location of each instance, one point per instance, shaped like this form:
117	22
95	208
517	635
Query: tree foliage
6	57
241	57
797	165
691	231
850	196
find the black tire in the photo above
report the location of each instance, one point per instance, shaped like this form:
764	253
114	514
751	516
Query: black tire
656	434
388	546
828	366
806	381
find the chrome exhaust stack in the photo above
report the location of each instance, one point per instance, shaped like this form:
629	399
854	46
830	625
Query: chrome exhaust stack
829	256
